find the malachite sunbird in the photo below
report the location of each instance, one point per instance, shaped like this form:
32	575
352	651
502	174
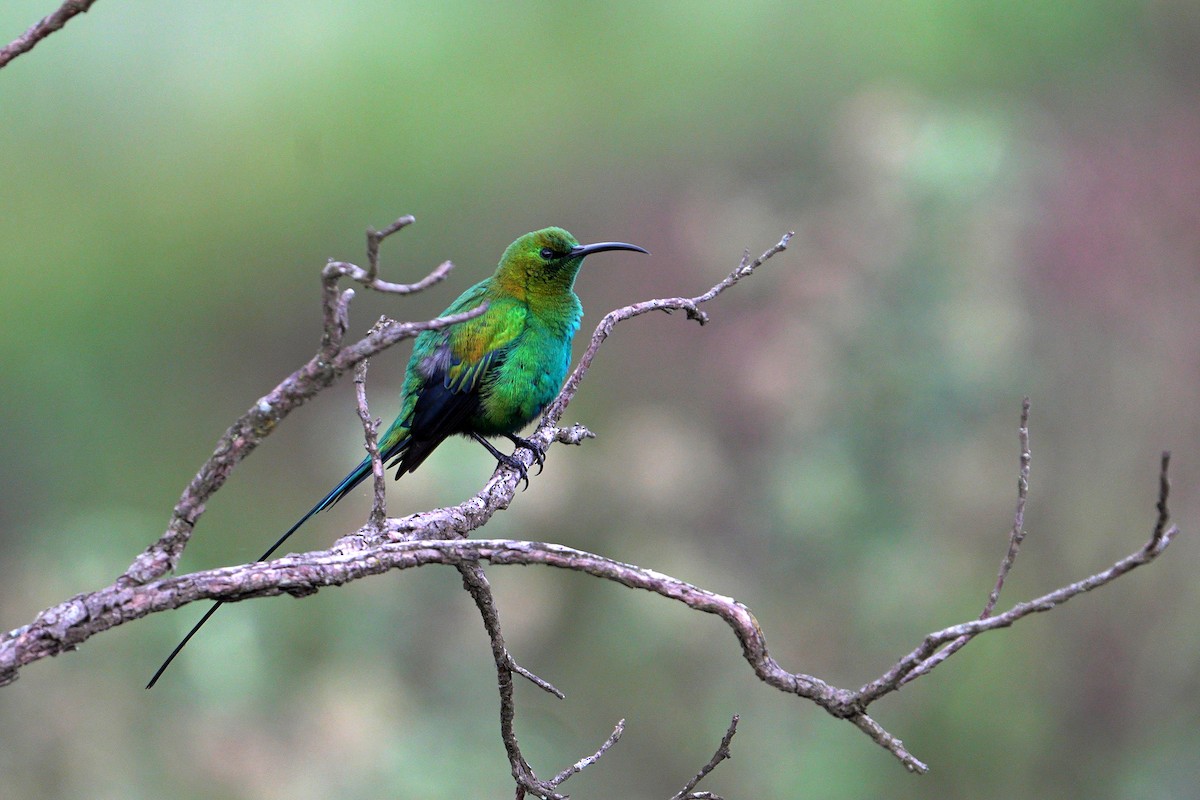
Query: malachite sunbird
488	376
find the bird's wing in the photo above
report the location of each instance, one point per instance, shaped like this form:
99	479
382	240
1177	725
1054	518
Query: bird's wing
454	374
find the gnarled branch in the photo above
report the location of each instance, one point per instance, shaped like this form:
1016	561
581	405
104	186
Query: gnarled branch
438	536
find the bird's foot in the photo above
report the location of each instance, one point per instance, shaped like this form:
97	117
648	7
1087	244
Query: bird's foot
517	464
539	452
506	459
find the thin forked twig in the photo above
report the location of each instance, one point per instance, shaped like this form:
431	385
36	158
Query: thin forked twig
920	661
1015	537
477	585
369	277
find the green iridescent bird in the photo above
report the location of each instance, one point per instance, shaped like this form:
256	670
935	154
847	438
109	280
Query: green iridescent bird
488	376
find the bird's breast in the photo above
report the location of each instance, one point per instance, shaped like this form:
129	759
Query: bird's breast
529	377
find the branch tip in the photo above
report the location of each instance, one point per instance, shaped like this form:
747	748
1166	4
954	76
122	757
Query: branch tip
723	752
1164	491
690	305
1017	533
583	763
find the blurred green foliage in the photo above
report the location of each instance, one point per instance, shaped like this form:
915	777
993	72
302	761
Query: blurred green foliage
992	200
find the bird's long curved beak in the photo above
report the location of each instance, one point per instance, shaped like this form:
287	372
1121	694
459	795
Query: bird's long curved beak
581	250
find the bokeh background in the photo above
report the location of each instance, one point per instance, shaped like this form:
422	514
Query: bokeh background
991	200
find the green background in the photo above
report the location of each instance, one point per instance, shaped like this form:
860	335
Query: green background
991	199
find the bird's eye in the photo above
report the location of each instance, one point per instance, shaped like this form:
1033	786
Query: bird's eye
546	253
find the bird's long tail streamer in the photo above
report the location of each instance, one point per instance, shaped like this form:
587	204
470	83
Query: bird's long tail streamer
356	476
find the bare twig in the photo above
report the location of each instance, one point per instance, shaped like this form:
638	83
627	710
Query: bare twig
919	659
335	304
369	277
43	28
1015	537
1164	516
583	763
722	753
476	583
370	430
689	304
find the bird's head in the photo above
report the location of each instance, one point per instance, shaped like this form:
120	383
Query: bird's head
548	260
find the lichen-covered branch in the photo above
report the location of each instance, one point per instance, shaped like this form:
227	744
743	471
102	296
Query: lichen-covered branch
437	536
367	553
